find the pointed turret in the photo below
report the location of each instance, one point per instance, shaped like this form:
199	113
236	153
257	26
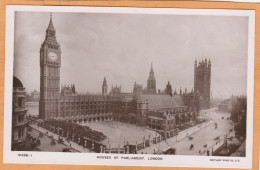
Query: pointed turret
151	82
104	86
168	89
175	92
73	89
50	37
151	71
50	26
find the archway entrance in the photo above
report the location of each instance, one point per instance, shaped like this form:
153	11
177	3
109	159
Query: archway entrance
133	120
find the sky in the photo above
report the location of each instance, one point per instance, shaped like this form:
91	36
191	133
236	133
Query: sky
121	47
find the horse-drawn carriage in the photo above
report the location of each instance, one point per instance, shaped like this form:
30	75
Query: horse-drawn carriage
217	138
230	138
169	151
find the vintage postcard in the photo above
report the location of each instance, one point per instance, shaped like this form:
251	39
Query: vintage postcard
129	86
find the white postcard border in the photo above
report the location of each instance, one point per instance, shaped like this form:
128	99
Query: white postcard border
91	158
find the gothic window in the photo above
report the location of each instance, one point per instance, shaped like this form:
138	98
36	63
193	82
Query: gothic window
20	133
20	102
20	118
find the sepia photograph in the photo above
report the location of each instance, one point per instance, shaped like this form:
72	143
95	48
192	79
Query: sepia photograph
129	86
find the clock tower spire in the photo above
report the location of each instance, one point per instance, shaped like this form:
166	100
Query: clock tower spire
50	63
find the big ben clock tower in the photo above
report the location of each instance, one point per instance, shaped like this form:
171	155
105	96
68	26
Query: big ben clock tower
50	62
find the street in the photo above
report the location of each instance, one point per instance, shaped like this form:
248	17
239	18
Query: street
202	140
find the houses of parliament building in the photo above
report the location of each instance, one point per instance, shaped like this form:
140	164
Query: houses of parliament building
159	110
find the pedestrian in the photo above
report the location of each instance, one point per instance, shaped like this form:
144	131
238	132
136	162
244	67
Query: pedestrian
190	146
207	152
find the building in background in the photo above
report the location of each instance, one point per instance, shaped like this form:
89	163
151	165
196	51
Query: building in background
104	86
225	106
228	104
202	78
34	96
168	89
115	90
138	88
19	123
151	83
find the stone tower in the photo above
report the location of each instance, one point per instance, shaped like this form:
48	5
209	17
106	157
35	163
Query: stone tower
50	62
168	89
202	78
138	88
151	82
104	86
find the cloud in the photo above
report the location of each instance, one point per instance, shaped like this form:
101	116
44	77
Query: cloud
123	46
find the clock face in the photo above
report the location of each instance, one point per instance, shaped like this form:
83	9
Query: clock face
52	56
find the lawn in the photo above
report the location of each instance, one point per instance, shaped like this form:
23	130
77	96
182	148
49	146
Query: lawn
119	133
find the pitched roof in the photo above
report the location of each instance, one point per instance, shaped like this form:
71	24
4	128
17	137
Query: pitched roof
157	101
51	27
178	99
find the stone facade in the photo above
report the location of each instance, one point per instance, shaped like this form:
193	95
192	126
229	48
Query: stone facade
202	79
168	89
19	123
93	108
50	62
104	86
138	88
115	90
151	83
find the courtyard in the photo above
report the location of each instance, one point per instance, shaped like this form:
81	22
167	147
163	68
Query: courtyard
120	133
